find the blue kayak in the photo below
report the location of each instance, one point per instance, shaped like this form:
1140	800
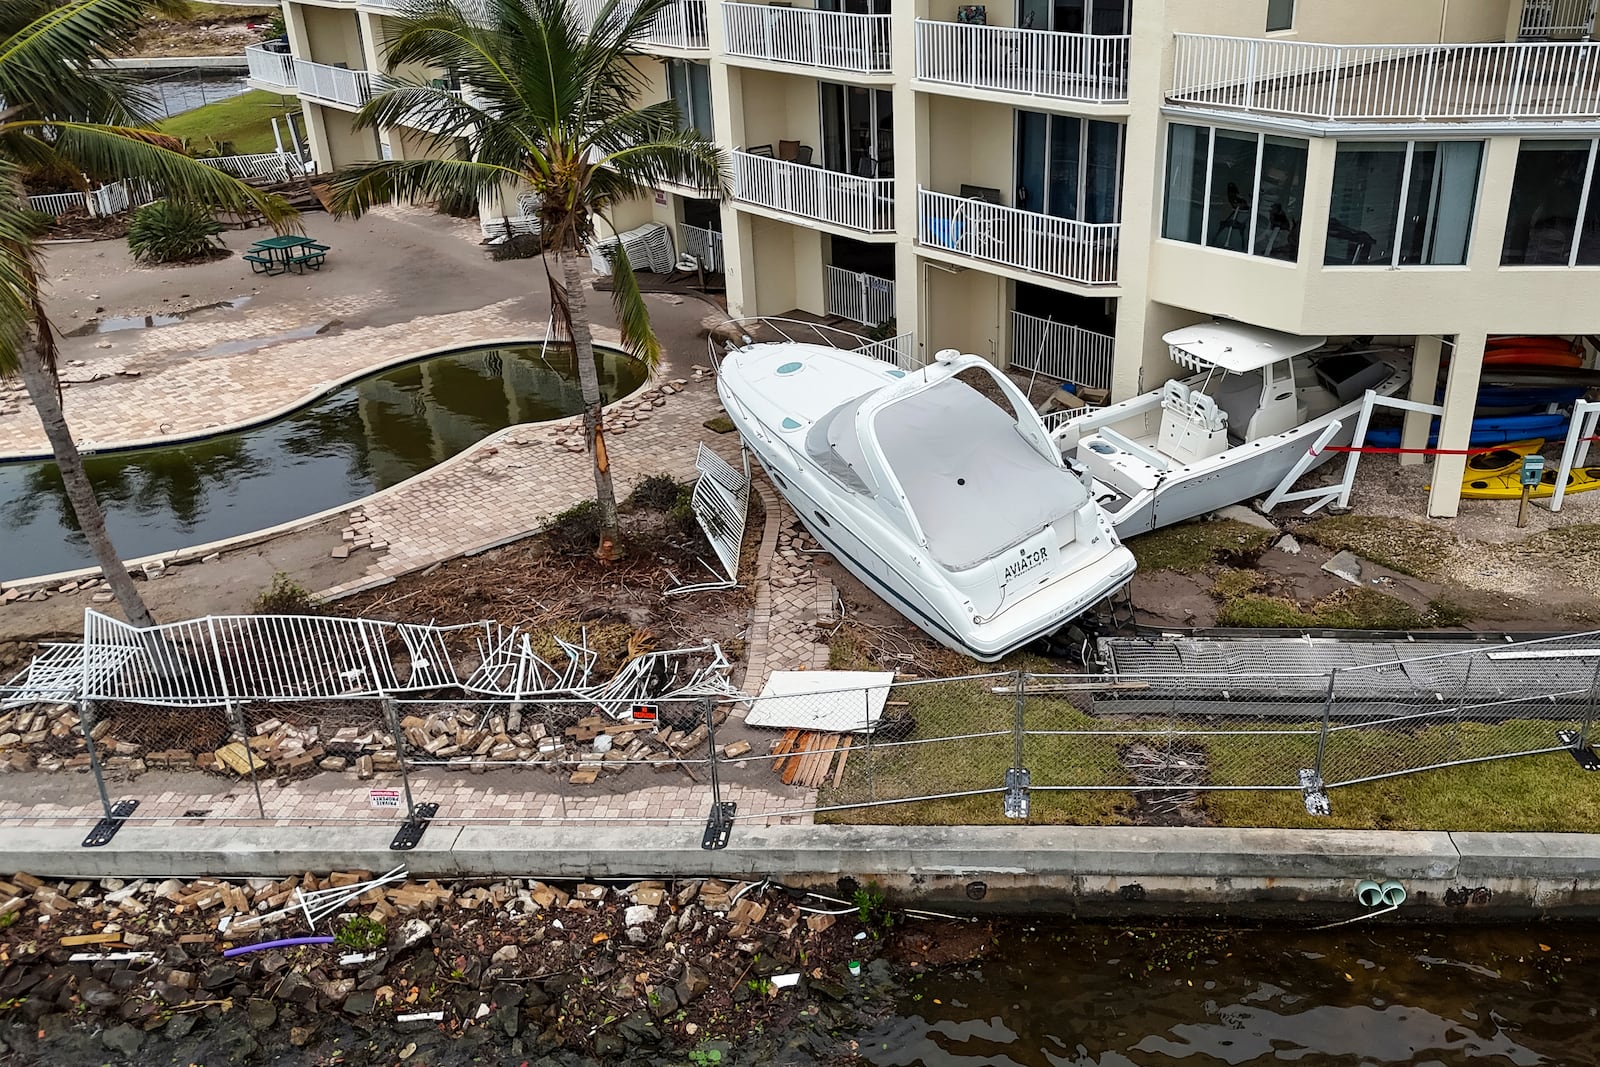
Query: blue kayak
1495	430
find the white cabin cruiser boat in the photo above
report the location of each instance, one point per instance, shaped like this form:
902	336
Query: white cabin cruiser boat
1230	432
952	507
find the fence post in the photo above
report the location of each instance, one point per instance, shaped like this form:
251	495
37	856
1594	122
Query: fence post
1312	788
719	824
1017	777
1588	710
391	714
235	715
86	722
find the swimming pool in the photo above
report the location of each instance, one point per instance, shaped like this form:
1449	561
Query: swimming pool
365	436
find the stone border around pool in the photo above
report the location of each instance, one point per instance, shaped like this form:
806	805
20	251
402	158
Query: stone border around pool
602	335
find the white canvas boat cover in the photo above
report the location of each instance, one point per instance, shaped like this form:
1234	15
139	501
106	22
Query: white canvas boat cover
832	702
973	481
1236	347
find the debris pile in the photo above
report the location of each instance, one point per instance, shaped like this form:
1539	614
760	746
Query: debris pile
622	416
616	972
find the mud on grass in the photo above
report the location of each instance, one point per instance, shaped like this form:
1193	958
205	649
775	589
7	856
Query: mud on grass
1191	547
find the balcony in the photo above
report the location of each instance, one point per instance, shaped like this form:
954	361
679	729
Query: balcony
1071	251
1388	82
328	84
680	26
811	194
1543	19
832	40
270	67
1082	67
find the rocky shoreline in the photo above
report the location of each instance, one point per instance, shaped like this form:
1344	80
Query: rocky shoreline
498	971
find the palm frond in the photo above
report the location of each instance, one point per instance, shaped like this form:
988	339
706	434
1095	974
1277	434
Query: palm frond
136	153
18	268
639	338
51	63
359	188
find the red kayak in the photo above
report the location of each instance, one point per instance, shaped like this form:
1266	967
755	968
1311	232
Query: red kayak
1558	344
1531	357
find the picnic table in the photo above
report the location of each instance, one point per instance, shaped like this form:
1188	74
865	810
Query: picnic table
279	255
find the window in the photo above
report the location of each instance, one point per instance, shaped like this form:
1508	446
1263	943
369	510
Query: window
689	86
1233	190
1399	203
1280	15
1555	207
1069	167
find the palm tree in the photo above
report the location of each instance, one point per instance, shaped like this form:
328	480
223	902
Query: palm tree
61	108
549	101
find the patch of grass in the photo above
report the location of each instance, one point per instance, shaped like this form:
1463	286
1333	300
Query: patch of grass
656	492
1235	582
576	531
719	424
1545	793
243	122
1191	547
1445	612
1269	612
1347	609
1401	545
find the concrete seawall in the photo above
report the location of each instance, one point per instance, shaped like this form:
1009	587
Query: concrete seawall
1087	871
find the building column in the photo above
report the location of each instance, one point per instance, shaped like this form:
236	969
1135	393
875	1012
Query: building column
1424	384
316	130
1455	426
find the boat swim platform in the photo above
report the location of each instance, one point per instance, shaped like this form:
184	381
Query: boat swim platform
1289	677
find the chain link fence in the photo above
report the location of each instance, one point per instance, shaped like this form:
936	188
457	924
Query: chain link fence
985	748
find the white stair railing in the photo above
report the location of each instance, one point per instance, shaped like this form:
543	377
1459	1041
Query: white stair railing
1084	252
859	297
702	243
1061	351
1388	82
833	39
864	204
1066	66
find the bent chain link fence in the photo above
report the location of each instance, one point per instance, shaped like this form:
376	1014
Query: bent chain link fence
982	748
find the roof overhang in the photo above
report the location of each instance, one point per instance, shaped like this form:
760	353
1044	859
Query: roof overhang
1235	347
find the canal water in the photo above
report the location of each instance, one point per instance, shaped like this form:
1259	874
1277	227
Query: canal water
1364	994
367	436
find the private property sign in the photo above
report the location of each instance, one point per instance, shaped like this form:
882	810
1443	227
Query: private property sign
384	798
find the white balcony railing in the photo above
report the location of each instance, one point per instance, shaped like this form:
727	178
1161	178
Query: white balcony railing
859	297
335	85
1083	252
270	67
832	39
1063	66
1388	82
1557	18
864	204
681	24
1061	351
702	243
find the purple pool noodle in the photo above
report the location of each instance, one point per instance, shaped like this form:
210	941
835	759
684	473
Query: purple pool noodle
284	943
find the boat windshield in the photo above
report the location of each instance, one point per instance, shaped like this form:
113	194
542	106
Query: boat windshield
976	485
834	446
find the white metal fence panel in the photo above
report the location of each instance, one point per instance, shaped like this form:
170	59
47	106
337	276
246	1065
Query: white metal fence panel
270	67
1084	252
58	204
900	350
1061	351
833	39
865	204
1557	18
704	244
1388	82
1065	66
262	166
721	504
337	85
859	297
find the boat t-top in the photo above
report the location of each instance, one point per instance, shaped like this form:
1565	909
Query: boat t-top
1228	433
950	504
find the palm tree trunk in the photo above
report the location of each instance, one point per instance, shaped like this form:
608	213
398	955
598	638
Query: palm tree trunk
593	417
43	390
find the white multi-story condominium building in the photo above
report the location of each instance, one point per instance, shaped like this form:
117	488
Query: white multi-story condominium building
1057	184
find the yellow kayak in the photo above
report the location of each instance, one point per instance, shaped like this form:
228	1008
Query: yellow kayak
1507	459
1509	486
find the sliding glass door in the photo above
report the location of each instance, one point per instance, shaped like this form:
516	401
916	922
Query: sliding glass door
1069	167
1075	16
858	130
